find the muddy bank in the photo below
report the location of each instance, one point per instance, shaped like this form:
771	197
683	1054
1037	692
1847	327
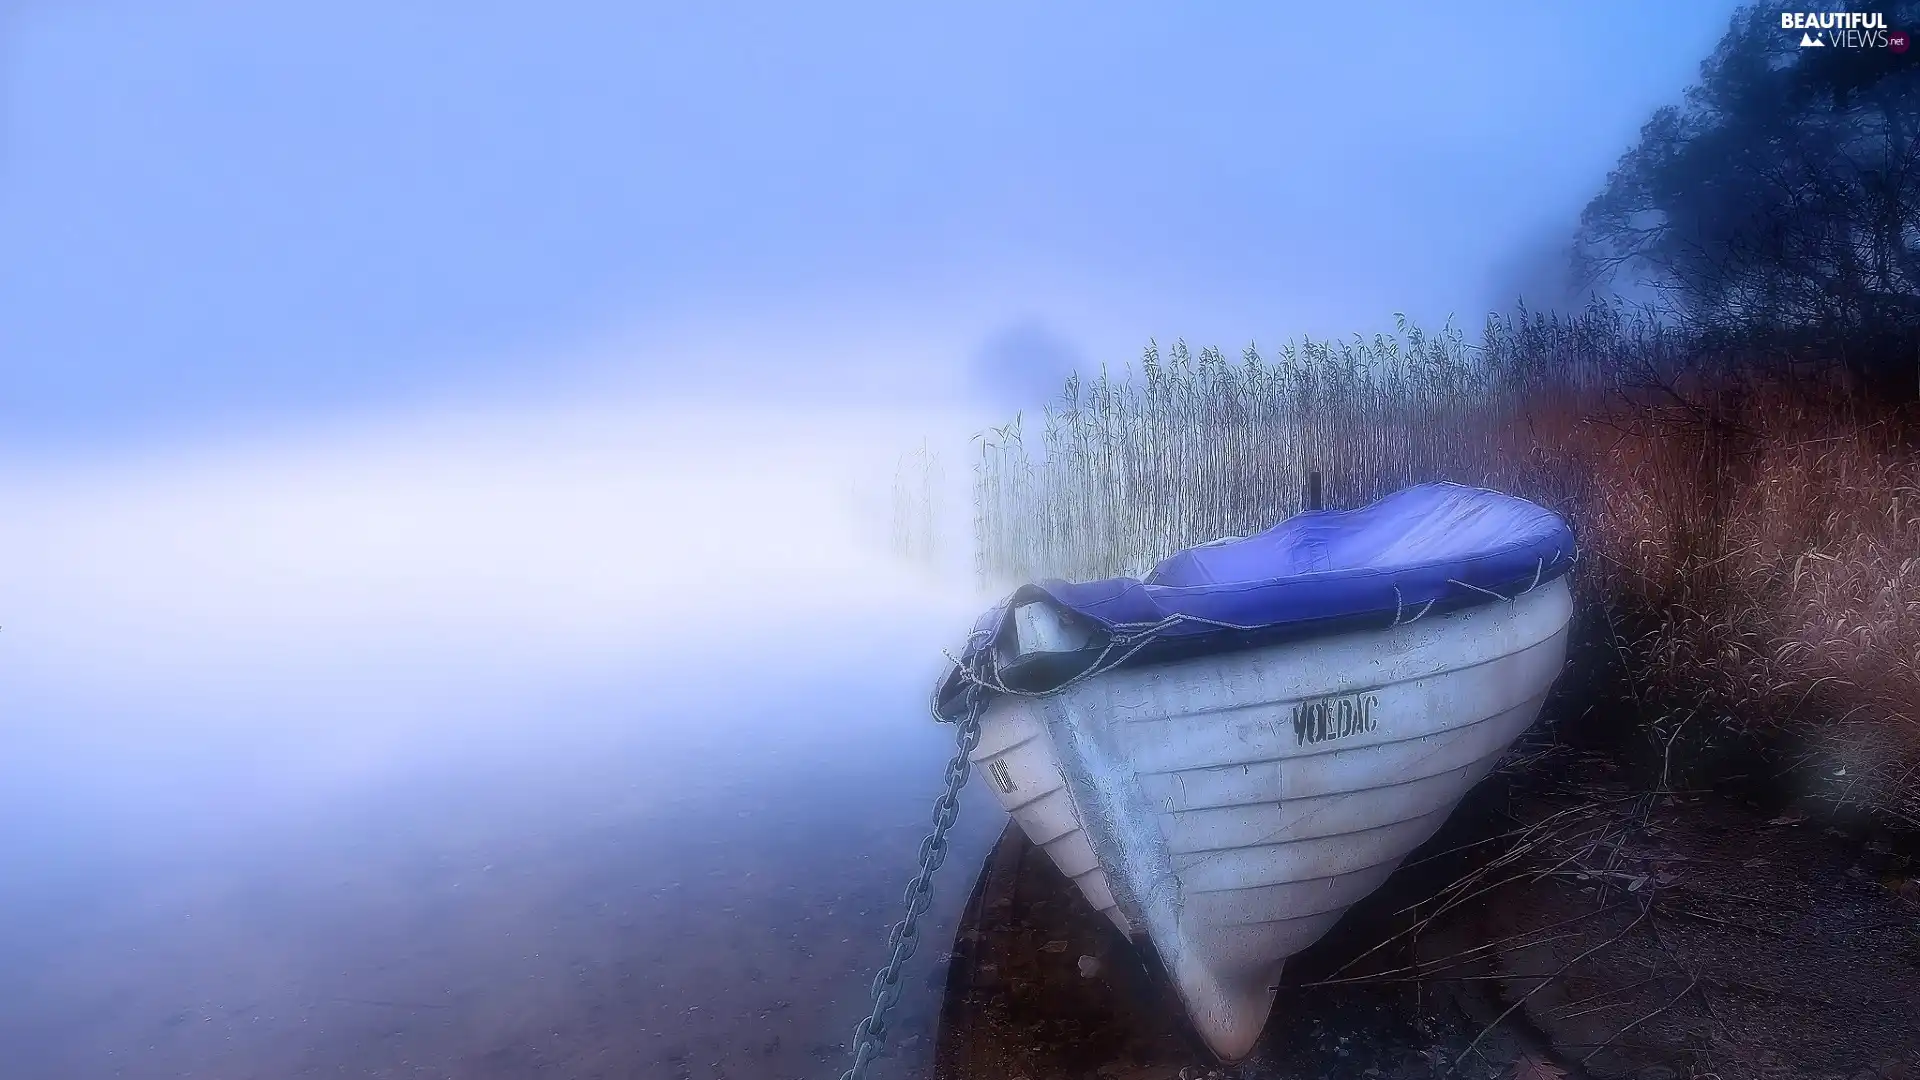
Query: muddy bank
1561	924
1040	987
1694	935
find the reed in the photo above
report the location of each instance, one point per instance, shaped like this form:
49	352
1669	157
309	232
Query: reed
1751	533
1126	468
917	485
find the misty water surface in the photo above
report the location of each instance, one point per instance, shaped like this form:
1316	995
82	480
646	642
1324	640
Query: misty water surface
481	746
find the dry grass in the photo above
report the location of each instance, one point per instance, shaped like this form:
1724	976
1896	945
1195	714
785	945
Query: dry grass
1754	541
1125	469
1778	580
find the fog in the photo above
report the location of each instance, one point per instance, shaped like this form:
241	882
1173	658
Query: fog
304	725
445	457
233	626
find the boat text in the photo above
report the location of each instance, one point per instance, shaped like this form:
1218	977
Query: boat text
1334	718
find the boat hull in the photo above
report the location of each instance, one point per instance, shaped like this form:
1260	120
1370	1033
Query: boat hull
1229	809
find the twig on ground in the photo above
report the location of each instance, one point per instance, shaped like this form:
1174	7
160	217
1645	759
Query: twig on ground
1670	1004
1564	968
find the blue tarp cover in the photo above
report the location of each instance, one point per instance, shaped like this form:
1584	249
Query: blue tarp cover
1438	543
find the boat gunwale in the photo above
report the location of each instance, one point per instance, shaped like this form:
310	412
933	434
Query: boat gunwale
1161	651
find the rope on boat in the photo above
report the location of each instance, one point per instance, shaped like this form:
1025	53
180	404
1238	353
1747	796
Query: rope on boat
986	679
982	682
1133	637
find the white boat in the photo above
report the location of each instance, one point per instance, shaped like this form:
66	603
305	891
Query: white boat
1227	807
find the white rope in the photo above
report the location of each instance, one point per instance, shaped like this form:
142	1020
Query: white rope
1140	635
1476	588
1399	608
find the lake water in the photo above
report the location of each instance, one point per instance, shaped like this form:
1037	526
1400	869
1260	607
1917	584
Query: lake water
530	745
612	883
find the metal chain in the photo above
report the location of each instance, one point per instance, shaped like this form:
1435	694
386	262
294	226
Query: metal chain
871	1032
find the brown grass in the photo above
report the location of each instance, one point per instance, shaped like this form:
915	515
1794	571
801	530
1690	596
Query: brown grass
1752	539
1775	570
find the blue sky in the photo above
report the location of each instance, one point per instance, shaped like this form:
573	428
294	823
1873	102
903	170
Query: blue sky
223	216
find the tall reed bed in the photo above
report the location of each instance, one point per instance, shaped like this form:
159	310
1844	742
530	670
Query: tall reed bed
1124	469
1751	537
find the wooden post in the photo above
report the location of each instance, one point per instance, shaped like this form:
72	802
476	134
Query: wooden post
1313	490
